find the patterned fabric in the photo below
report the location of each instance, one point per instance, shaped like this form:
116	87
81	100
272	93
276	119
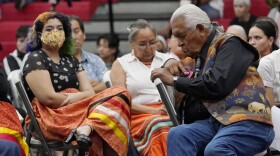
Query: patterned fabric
247	101
149	132
10	127
54	39
63	75
109	119
94	66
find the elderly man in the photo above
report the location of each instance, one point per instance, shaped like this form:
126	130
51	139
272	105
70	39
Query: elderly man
226	108
94	66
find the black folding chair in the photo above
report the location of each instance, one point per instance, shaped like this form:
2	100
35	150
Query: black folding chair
34	126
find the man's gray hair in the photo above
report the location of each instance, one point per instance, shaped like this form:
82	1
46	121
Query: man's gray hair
192	15
247	3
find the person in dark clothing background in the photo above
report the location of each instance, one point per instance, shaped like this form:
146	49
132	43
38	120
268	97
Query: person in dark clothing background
4	87
242	14
14	60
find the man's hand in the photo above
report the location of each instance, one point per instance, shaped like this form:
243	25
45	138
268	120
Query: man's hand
162	73
175	67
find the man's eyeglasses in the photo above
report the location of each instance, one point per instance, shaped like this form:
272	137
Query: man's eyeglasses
144	45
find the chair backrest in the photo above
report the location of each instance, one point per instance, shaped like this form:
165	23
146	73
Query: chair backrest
17	80
107	79
165	97
17	101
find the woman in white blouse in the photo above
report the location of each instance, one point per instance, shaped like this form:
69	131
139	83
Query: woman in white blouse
149	122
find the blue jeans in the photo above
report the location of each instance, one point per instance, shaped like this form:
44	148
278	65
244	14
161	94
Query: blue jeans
9	148
212	138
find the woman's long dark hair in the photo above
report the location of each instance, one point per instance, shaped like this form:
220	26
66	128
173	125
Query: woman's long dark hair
269	27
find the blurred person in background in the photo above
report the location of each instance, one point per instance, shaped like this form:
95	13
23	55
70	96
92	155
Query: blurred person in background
238	31
174	49
242	13
274	14
213	8
262	36
94	67
108	48
161	44
14	60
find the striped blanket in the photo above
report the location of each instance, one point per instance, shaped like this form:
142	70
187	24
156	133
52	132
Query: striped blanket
107	112
149	132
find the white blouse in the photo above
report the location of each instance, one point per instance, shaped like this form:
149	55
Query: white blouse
269	69
138	82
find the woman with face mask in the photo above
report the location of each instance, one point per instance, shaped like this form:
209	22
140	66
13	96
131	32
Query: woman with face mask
62	96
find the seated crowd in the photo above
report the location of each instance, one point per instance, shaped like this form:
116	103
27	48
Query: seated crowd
227	82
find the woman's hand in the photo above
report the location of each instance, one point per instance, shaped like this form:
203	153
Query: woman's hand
161	110
71	98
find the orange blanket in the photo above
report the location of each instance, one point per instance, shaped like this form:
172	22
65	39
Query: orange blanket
10	127
109	119
149	132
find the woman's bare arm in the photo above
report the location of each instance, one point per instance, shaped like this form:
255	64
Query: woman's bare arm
40	83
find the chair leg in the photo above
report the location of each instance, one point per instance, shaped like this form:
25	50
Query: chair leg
268	153
82	152
65	153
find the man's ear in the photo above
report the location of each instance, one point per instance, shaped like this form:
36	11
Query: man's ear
200	28
85	36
